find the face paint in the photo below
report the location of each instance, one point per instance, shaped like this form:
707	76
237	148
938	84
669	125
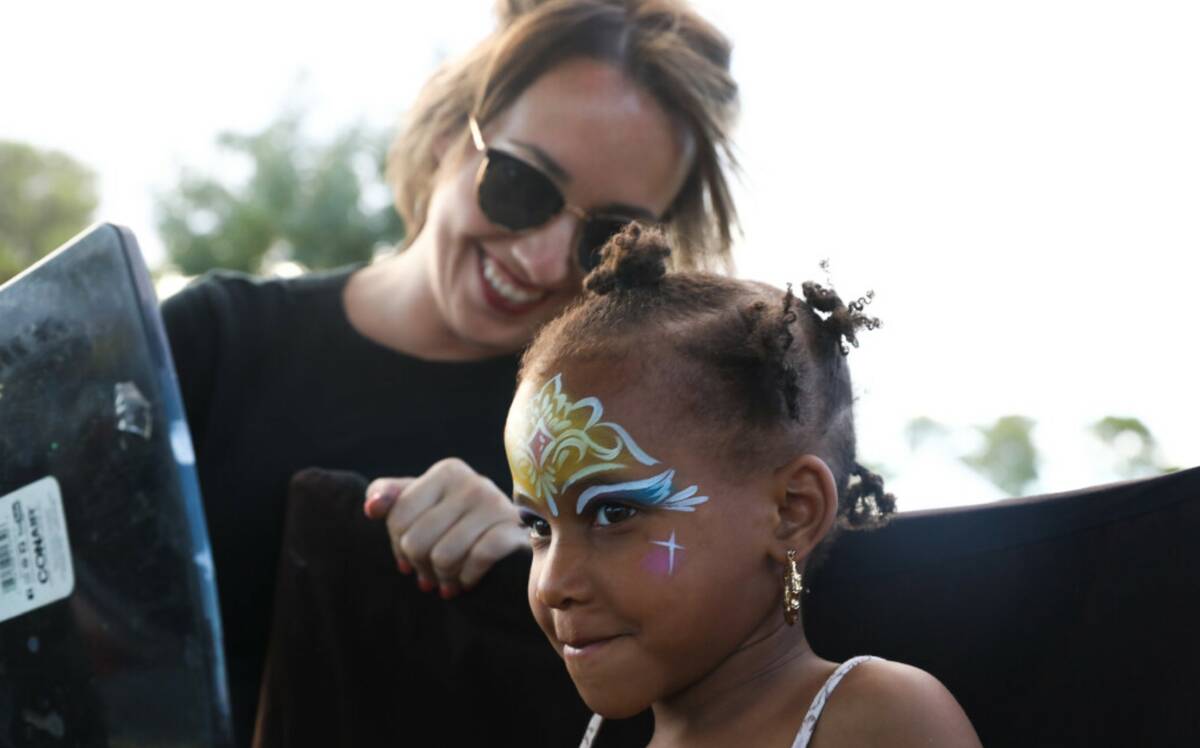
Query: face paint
655	561
656	491
556	443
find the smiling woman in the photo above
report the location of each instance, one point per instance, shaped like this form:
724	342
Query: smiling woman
516	163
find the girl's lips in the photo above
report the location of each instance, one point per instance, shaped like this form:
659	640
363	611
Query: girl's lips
494	298
582	649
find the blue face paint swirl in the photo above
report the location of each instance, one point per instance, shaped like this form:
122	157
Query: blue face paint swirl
650	492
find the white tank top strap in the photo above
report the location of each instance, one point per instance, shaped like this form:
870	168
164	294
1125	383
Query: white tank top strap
818	702
810	719
592	729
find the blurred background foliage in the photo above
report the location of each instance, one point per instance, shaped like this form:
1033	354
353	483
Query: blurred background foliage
284	197
1006	454
46	197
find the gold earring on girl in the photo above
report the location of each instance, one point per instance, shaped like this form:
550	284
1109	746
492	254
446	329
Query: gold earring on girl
793	587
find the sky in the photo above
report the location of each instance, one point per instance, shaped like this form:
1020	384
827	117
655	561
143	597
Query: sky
1018	182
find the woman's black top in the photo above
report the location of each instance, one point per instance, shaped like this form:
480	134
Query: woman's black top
275	379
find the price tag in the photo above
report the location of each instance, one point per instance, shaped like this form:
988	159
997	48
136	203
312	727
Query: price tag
35	553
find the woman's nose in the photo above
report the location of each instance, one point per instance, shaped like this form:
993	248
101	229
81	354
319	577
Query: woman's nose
543	255
560	575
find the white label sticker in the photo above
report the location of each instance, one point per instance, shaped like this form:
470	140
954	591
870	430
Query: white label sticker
35	554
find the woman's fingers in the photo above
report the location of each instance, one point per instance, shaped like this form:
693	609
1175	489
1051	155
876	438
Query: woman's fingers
494	544
471	537
382	494
417	540
450	525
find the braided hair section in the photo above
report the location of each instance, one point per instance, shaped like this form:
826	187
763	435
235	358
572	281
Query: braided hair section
635	258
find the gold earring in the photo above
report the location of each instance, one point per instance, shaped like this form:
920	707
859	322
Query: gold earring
793	586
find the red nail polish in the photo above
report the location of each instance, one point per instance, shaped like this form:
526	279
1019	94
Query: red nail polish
425	585
448	592
404	566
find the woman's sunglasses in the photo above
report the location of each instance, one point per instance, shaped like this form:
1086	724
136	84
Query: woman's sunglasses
518	196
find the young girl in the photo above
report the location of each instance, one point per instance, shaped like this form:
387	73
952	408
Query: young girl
681	445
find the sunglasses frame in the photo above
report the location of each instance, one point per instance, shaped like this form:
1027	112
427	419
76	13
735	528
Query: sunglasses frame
584	217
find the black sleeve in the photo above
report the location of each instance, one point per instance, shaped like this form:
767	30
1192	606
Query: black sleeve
191	320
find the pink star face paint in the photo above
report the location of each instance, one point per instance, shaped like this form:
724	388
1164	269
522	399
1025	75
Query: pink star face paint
661	561
558	441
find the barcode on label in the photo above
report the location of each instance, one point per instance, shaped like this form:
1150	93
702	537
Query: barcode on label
8	578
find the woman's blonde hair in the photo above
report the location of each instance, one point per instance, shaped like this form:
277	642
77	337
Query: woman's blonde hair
662	45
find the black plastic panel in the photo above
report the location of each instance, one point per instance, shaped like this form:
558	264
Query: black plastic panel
88	396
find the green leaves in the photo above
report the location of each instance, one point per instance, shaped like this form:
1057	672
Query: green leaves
319	204
46	197
1007	456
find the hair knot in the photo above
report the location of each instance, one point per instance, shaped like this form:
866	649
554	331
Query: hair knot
841	321
634	258
868	505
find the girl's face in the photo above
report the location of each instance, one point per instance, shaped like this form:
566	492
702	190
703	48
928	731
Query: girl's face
608	146
650	558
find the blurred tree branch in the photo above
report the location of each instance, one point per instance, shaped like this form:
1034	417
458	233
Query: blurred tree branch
46	197
319	204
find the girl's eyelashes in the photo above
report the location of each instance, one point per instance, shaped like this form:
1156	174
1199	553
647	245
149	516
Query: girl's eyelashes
602	513
611	513
538	527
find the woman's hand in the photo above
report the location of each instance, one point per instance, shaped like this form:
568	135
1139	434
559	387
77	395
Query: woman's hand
450	525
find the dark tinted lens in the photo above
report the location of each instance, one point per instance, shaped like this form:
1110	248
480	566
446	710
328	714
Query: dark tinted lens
594	235
514	194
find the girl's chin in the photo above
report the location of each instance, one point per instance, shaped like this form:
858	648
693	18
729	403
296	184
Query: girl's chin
614	708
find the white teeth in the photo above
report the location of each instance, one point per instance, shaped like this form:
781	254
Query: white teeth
500	285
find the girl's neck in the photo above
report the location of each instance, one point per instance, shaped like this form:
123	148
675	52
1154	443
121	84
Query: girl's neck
757	696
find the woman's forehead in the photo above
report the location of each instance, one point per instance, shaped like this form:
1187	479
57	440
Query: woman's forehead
610	138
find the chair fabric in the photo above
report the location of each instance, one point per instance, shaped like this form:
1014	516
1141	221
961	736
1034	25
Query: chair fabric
1060	620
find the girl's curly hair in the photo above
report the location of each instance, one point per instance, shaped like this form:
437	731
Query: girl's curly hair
765	368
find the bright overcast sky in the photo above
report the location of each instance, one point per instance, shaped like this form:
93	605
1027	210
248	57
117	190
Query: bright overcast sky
1018	181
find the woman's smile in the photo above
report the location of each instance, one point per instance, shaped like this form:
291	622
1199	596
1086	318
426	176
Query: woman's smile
503	291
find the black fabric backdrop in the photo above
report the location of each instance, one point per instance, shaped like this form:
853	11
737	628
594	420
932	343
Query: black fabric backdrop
1063	620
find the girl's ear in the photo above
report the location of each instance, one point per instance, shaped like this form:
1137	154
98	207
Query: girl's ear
806	505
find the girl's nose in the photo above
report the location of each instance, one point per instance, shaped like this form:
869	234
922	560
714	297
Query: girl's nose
560	575
543	255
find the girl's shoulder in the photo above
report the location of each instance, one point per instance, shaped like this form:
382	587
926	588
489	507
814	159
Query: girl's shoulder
884	703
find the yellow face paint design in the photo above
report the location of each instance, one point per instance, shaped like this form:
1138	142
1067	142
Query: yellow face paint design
556	442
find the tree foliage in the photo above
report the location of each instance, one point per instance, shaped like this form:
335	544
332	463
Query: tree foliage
46	197
1007	457
320	204
1136	448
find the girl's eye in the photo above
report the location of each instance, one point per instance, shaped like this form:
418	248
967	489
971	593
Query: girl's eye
538	527
611	514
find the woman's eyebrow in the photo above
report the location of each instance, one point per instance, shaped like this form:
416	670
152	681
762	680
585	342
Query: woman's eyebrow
545	161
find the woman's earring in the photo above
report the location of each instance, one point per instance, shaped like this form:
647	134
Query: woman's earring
793	587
